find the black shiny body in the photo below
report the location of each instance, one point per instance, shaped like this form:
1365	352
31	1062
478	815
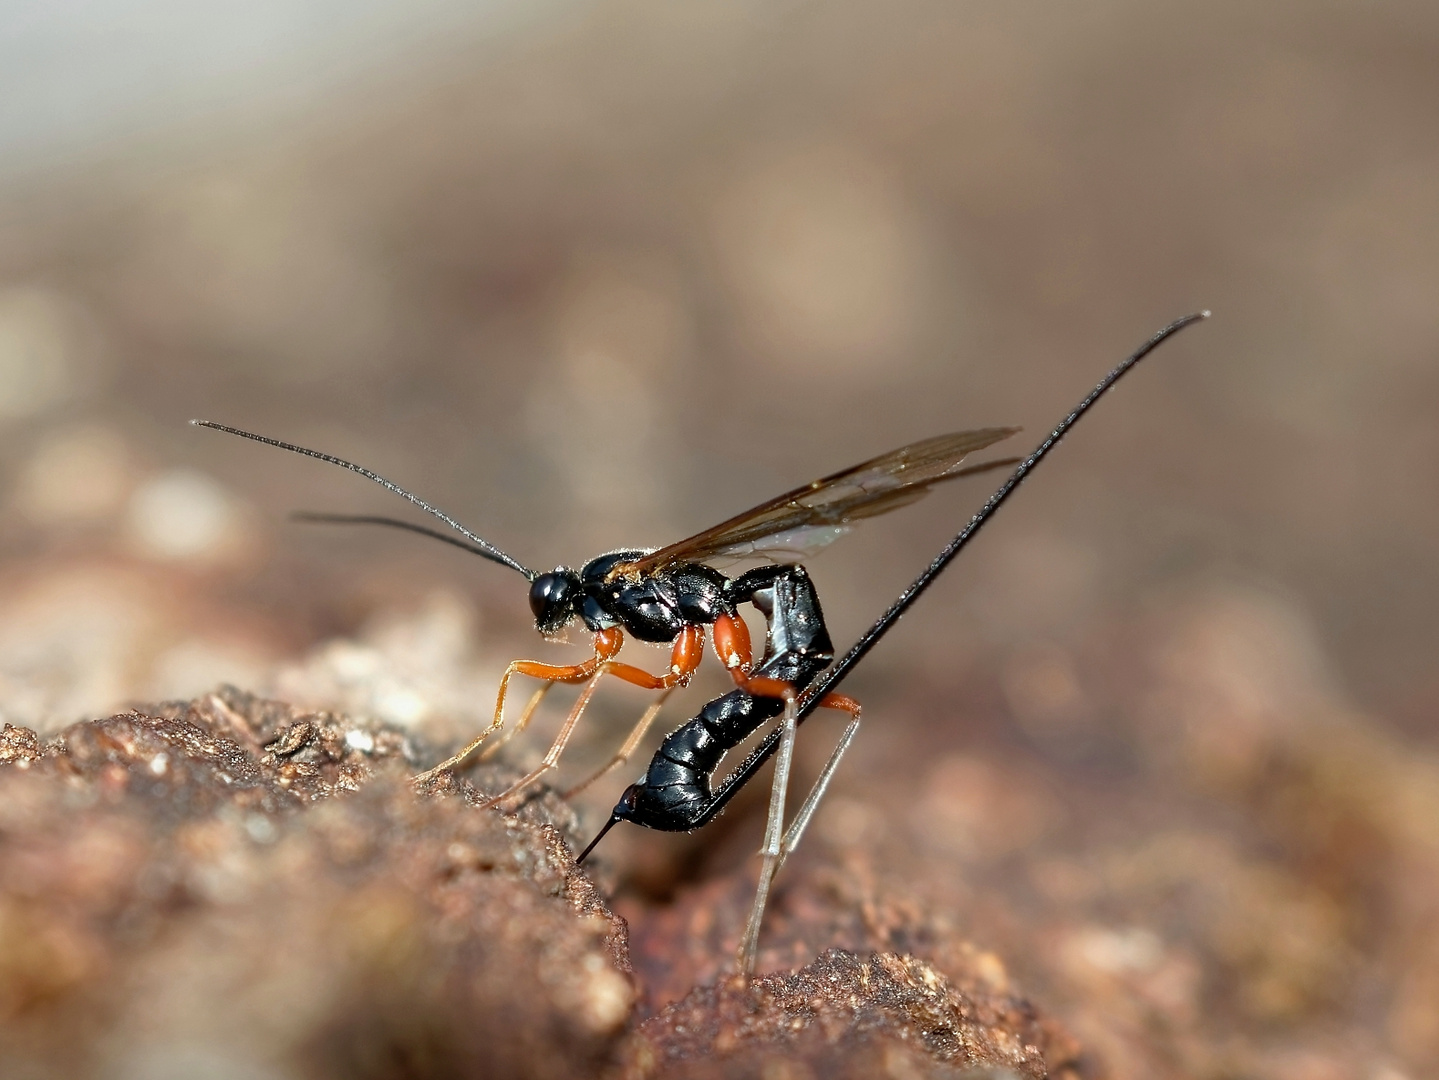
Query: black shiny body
674	794
656	607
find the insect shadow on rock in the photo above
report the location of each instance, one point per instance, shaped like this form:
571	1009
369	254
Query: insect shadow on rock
671	594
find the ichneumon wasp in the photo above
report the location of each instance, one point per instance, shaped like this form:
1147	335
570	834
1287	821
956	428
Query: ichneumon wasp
671	594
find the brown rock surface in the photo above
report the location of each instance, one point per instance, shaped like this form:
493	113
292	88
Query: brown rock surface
846	1016
182	893
233	887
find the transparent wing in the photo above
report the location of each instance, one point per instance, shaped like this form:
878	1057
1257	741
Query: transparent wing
818	513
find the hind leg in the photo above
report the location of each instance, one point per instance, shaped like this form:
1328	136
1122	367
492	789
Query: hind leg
773	835
821	785
778	841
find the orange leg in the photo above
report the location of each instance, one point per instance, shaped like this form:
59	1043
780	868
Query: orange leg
842	702
778	688
607	644
552	756
531	707
684	658
732	646
731	640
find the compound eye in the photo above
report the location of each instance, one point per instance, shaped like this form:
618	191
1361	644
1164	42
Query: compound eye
546	589
552	599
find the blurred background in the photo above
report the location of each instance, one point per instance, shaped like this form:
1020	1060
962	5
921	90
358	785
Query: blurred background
599	274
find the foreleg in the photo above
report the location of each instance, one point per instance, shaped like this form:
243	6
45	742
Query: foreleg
607	644
552	756
684	658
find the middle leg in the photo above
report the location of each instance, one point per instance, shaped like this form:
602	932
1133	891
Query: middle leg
627	749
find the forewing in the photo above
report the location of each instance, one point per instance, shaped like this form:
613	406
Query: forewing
820	512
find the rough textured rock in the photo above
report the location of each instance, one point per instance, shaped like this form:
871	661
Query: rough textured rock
181	892
845	1016
234	887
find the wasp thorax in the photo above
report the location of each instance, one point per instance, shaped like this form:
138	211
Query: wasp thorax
555	599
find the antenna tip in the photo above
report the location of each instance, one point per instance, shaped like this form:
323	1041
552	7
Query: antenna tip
197	423
1205	313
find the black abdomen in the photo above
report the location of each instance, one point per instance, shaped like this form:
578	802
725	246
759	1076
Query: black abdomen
676	788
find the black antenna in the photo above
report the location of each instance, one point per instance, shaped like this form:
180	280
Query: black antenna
831	678
482	547
316	517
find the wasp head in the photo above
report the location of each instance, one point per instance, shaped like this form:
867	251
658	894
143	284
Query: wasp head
555	599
